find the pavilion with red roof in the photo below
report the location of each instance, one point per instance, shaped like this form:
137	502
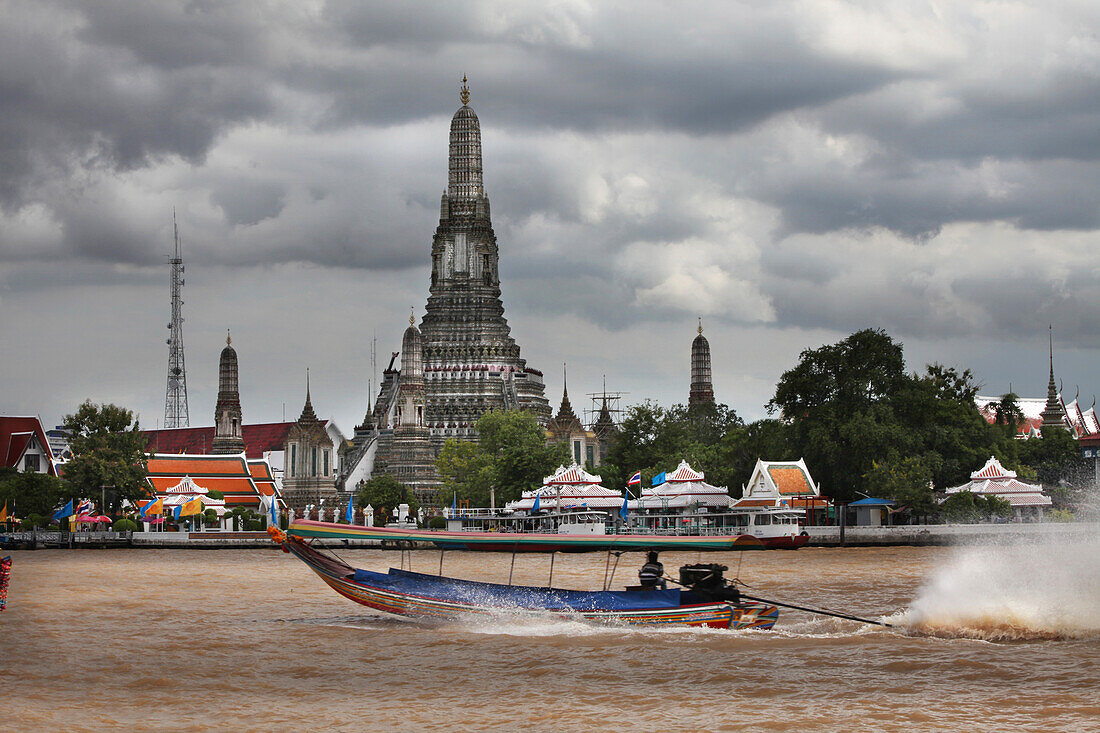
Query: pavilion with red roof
993	479
570	487
243	482
684	489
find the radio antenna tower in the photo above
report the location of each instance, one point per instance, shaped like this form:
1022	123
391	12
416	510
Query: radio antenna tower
175	402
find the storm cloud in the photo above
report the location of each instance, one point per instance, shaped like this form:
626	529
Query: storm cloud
789	172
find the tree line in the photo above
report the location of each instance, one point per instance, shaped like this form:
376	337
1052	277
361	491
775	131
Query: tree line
864	424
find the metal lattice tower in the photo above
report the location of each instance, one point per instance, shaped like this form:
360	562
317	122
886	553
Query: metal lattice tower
175	401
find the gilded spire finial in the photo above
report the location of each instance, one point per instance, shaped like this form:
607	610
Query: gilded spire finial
464	93
412	318
700	325
228	340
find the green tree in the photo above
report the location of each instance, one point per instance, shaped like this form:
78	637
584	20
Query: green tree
967	508
108	455
1007	413
467	469
27	492
947	430
510	456
851	405
384	492
907	481
836	402
516	445
653	439
1055	461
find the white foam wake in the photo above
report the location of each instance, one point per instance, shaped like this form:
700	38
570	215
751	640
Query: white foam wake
1012	592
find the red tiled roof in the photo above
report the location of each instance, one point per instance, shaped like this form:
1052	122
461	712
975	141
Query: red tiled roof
262	477
231	485
790	480
229	474
15	434
754	502
193	466
260	470
258	439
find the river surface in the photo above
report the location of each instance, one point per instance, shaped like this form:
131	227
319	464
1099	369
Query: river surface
989	639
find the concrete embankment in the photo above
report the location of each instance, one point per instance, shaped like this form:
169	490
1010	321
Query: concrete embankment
951	534
919	534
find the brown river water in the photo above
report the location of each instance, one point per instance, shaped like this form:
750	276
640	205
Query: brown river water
989	639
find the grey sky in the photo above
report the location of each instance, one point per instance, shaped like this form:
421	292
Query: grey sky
790	172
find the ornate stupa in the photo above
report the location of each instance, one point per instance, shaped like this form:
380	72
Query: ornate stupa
702	391
469	362
228	436
1054	414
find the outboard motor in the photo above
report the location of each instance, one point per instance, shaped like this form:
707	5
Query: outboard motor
708	581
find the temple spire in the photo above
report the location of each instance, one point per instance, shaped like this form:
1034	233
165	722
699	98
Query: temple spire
307	411
701	391
565	412
1053	414
228	426
464	93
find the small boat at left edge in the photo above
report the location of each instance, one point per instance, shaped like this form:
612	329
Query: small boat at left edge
709	601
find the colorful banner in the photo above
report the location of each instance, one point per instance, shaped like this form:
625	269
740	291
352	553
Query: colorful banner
192	507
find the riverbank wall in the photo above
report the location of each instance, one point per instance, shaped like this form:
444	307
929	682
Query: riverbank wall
903	535
951	534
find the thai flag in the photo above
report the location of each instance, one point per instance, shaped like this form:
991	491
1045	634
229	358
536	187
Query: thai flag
86	507
635	480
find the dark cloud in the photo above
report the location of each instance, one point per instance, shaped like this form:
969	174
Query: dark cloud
781	170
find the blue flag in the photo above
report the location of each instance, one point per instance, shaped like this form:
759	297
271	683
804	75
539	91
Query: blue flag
454	504
535	508
65	511
176	512
622	511
659	478
349	515
274	511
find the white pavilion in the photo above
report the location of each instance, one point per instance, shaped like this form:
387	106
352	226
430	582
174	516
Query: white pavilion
683	491
993	479
570	488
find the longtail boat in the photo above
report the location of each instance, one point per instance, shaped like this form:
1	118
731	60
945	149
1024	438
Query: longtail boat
523	542
708	602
